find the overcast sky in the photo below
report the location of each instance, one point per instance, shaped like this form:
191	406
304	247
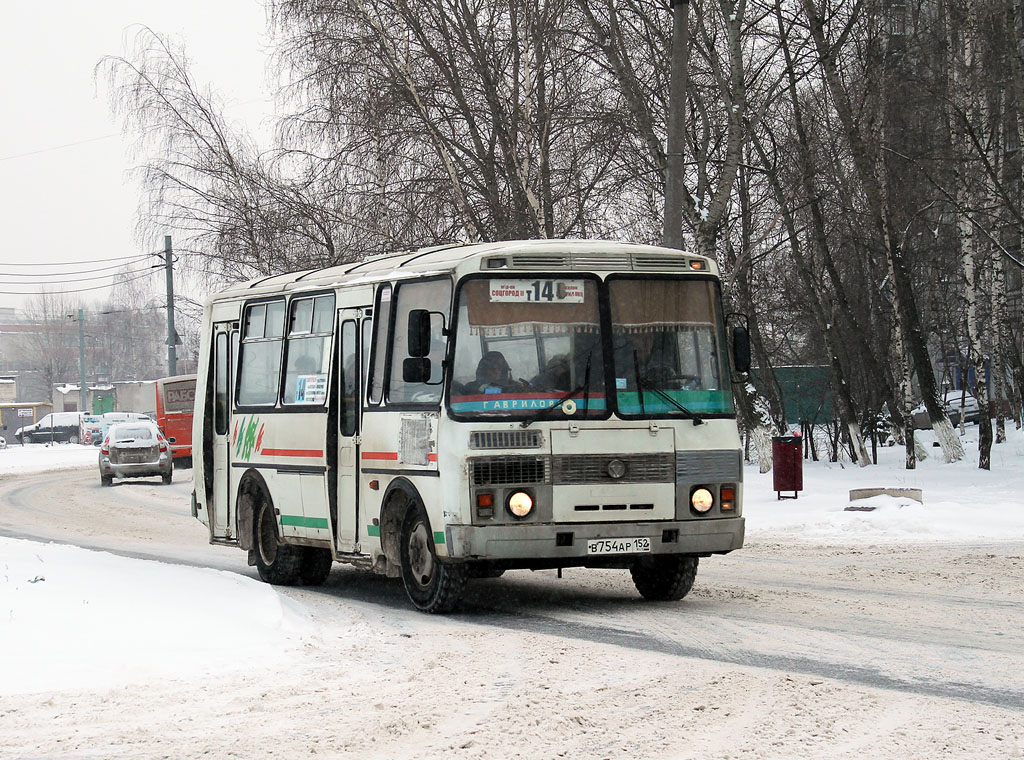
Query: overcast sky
65	194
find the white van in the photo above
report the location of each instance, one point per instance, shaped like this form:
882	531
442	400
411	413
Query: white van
98	429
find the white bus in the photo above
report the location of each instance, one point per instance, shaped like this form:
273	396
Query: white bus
460	411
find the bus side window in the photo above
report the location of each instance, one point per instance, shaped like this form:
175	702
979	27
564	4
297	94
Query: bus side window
434	295
382	317
220	385
349	378
308	350
366	339
261	354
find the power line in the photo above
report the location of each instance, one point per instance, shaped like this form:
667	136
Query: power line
63	292
58	147
64	282
73	263
74	273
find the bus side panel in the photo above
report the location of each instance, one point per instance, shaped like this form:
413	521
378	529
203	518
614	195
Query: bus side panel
400	444
290	452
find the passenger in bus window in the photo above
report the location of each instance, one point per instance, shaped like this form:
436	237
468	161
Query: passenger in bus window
493	375
555	376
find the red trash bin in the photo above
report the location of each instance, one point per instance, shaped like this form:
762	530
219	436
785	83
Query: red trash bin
787	465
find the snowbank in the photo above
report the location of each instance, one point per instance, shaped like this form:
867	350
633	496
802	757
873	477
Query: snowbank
72	618
42	457
960	501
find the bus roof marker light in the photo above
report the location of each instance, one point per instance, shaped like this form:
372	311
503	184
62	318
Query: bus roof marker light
497	263
696	264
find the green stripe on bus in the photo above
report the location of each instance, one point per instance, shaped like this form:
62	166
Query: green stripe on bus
373	530
305	522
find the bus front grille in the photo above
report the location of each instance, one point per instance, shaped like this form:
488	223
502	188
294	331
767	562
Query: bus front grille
709	466
578	469
496	471
506	439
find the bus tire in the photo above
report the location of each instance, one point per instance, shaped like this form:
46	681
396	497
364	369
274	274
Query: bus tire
485	570
73	439
277	563
664	578
316	566
431	585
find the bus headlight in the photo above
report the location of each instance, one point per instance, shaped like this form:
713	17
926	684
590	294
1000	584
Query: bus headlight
701	500
520	504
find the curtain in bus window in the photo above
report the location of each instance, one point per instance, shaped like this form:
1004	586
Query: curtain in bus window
667	337
516	354
308	351
433	295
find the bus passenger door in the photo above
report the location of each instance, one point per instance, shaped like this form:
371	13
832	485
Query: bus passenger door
224	342
349	404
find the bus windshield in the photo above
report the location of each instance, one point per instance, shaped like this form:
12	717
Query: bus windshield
526	344
668	347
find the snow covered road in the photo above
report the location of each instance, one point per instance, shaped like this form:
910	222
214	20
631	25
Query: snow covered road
784	649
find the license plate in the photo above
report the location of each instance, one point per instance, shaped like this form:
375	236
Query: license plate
618	545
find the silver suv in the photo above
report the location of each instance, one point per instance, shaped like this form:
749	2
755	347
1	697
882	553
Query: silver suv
135	450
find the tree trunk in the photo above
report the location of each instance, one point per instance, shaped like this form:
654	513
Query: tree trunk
906	311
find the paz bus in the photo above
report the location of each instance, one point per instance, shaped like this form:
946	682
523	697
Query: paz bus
458	411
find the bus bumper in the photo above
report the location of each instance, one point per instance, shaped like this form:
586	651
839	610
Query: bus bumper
570	540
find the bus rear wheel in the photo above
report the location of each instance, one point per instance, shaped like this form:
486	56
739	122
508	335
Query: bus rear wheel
277	563
431	585
664	578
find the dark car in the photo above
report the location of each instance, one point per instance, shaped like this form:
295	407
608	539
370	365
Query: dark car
951	403
59	427
135	450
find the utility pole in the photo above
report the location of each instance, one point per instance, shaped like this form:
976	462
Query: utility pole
674	167
82	391
172	335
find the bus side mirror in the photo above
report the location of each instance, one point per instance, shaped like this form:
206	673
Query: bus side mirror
741	348
419	334
416	369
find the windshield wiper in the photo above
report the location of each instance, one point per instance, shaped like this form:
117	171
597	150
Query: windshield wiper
642	383
543	414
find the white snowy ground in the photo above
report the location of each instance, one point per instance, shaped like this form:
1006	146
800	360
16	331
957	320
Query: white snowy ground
42	457
960	501
102	655
85	619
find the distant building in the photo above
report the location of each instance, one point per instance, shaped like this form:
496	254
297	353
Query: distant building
8	390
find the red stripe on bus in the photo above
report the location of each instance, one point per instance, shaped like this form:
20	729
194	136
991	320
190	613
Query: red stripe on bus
292	452
391	455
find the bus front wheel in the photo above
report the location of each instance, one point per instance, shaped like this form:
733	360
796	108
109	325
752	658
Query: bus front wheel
277	563
431	585
664	578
